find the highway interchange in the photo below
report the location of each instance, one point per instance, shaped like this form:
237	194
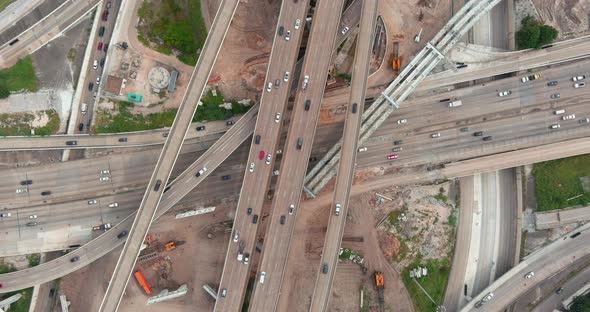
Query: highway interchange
522	119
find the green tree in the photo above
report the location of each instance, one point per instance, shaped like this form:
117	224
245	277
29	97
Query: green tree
180	36
580	304
547	35
4	92
528	37
534	34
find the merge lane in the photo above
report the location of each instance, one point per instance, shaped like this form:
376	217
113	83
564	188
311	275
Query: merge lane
151	199
339	207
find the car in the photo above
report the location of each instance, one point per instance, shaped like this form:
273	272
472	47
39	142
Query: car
51	292
97	81
555	96
249	211
157	186
20	191
478	304
223	292
246	258
297	23
90	86
402	121
552	83
478	133
31	224
282	220
103	179
354	108
299	143
236	237
261	155
200	128
362	149
74	259
529	275
279	152
226	177
275	172
281	30
255	219
95	64
257	139
530	78
337	209
277	83
579	85
307	104
113	205
262	276
251	169
122	139
165	134
559	290
344	30
5	215
488	138
33	217
229	122
102	60
578	78
99	46
286	76
584	120
95	95
105	15
559	112
268	159
398	142
325	268
105	171
288	35
435	135
106	47
269	87
392	157
101	31
488	297
464	129
26	182
92	202
569	117
277	117
396	149
201	171
108	5
305	82
80	127
291	209
504	93
555	126
71	142
122	234
45	193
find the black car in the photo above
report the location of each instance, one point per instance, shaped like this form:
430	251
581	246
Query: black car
102	62
122	139
307	104
71	142
325	268
31	223
478	133
157	186
488	138
80	127
90	86
101	31
249	211
559	290
255	219
26	182
281	30
76	258
226	177
282	219
229	122
45	193
122	234
165	134
552	83
200	128
257	139
398	142
52	292
299	143
354	108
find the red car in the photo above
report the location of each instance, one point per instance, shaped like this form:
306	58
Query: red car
392	157
100	46
105	15
261	157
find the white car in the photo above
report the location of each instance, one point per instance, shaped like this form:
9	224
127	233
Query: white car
95	64
344	30
288	35
529	275
262	276
291	209
269	87
555	126
92	202
286	77
97	81
578	78
236	237
240	256
113	205
277	117
435	135
20	191
584	120
105	171
488	297
275	172
297	23
362	149
33	217
268	158
103	179
579	85
402	121
5	215
569	117
504	93
251	169
305	82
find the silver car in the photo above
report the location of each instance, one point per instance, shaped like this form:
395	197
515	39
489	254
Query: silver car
251	169
268	158
288	35
297	23
277	117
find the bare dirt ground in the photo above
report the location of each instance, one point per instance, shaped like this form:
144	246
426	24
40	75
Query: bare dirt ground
197	262
570	17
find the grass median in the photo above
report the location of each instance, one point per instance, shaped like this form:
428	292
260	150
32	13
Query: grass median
434	283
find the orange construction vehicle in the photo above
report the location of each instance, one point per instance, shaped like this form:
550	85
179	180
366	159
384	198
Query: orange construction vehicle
396	60
379	283
143	282
170	245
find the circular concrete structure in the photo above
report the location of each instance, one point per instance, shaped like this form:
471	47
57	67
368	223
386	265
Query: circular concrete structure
159	77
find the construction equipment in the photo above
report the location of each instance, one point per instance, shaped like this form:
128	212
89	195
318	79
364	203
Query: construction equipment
143	282
379	283
418	36
396	61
